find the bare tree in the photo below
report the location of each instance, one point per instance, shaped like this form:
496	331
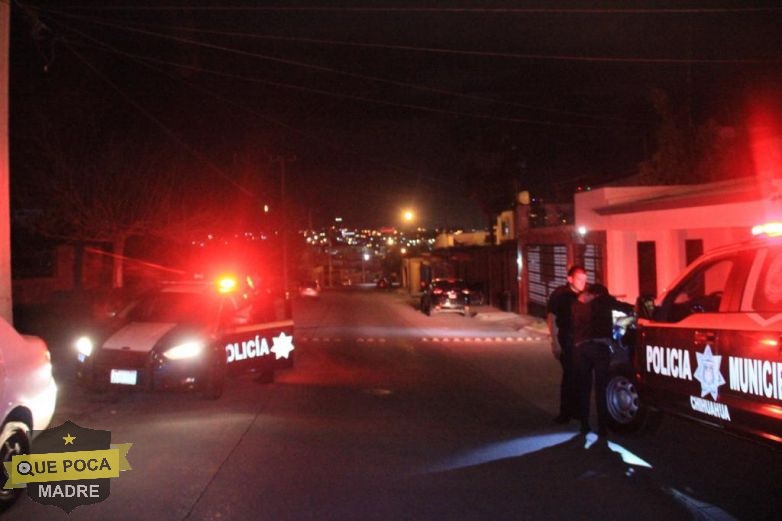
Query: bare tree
110	194
709	152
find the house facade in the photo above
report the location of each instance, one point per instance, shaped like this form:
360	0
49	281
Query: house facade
651	233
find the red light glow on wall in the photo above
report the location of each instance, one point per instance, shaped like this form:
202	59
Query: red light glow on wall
765	134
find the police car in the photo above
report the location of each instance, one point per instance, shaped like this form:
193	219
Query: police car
190	336
28	394
710	348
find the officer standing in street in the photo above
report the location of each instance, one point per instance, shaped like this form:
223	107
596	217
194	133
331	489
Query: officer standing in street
560	324
593	327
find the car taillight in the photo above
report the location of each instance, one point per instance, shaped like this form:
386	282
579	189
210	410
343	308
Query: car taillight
437	291
466	291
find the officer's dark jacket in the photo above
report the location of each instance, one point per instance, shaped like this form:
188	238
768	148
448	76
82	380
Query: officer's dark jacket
560	304
593	319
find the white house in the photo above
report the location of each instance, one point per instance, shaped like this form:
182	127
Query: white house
652	232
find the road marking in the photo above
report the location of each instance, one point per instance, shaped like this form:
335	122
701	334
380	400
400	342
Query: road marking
446	339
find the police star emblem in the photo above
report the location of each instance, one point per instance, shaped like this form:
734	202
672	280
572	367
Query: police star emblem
708	372
282	346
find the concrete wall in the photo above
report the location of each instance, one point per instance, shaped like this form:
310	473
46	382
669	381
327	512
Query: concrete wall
668	228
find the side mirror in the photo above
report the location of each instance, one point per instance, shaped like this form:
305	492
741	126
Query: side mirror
644	307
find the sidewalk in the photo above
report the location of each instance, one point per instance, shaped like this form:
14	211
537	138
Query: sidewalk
509	319
535	326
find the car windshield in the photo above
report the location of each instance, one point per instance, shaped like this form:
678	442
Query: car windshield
449	285
180	307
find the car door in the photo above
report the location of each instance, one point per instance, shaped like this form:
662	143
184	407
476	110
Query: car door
753	349
680	362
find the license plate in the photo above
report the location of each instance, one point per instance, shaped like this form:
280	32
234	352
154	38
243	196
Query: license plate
124	376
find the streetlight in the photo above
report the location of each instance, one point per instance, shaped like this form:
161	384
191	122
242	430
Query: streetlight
408	216
364	259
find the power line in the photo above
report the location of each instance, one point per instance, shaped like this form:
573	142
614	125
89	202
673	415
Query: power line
397	47
483	54
245	108
453	10
161	125
242	107
350	74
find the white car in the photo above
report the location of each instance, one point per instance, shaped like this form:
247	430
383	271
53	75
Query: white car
309	289
27	396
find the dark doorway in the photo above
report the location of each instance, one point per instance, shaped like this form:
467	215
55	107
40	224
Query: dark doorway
647	268
693	248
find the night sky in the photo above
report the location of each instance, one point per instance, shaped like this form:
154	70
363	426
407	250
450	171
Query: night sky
377	106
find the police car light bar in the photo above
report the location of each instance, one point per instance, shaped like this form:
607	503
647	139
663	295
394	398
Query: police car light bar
226	284
772	229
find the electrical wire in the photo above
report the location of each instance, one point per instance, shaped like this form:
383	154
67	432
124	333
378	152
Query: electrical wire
487	54
247	110
262	116
403	48
160	124
355	75
452	10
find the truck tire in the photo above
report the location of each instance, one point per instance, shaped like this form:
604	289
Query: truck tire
626	411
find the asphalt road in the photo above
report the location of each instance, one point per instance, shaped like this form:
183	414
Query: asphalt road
390	414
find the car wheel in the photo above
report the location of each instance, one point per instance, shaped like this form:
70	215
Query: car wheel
215	381
15	440
626	412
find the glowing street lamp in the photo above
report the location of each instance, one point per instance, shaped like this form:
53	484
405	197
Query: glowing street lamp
364	259
408	216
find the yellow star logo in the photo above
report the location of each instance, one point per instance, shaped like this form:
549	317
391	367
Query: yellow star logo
69	439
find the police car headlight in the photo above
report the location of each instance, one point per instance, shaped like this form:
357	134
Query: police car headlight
186	350
84	345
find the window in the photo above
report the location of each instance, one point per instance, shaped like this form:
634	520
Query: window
175	307
647	268
764	286
700	292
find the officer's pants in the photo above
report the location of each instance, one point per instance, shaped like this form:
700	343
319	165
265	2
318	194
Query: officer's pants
589	357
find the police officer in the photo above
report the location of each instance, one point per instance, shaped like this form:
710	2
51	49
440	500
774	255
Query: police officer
560	325
592	347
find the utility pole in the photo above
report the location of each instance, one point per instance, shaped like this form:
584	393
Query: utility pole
6	307
328	256
284	208
284	225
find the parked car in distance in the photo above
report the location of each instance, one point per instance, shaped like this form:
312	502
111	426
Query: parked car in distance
309	289
446	295
28	394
